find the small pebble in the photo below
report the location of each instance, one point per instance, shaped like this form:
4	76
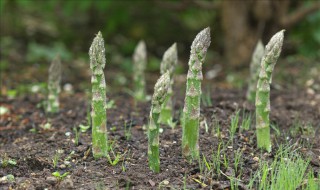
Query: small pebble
62	166
51	180
165	182
66	184
152	183
256	159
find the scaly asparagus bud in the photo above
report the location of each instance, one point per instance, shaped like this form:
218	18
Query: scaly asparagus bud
98	103
272	52
191	111
254	71
169	62
159	96
54	85
139	66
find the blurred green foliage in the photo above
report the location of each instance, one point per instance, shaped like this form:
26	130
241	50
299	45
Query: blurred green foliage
307	36
37	30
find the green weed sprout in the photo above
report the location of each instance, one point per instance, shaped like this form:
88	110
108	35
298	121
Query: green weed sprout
59	176
139	66
191	111
254	71
6	161
273	50
158	98
169	62
98	103
54	85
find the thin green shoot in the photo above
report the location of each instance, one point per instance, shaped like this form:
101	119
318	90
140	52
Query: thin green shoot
285	172
123	167
216	159
252	179
59	176
233	183
308	131
76	136
68	158
185	181
295	129
206	99
216	128
206	127
276	129
117	157
237	160
225	161
56	158
127	130
208	166
84	128
246	122
234	124
172	123
312	183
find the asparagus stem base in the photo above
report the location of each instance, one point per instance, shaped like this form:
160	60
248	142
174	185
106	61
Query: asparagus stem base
153	143
190	136
263	138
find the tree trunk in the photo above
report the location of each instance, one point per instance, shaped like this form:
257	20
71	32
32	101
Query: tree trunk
245	22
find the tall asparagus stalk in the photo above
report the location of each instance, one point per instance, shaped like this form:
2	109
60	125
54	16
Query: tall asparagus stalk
54	85
272	52
139	66
191	111
169	62
254	71
98	103
160	94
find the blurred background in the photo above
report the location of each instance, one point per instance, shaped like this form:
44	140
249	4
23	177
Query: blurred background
34	31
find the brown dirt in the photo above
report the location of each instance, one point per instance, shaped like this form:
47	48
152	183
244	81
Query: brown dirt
34	151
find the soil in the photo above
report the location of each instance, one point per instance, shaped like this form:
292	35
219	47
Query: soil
33	148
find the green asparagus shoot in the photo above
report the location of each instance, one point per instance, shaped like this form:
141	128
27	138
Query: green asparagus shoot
98	103
254	71
158	98
191	111
139	66
272	52
169	62
54	85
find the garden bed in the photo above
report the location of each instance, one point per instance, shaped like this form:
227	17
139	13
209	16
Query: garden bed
295	115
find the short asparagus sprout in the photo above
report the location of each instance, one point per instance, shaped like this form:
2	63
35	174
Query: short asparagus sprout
254	71
54	85
272	52
158	98
139	66
169	62
98	103
191	111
